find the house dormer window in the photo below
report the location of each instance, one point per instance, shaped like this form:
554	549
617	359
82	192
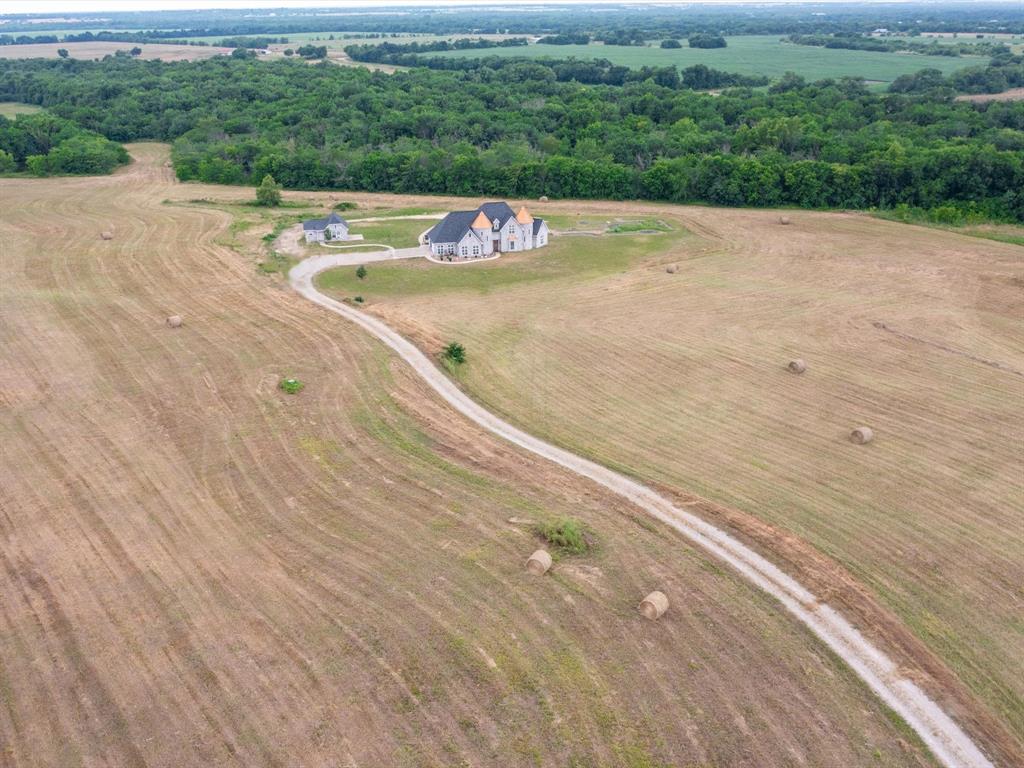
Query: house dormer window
497	224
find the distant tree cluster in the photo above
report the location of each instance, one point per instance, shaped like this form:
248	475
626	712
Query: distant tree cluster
671	43
578	38
310	51
634	36
250	42
705	40
587	71
388	52
895	44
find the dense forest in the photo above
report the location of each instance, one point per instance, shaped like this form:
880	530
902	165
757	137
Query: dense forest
518	132
46	145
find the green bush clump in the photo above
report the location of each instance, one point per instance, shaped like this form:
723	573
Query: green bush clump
566	535
291	386
455	352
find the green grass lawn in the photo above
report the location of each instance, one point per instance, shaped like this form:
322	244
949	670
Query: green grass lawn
567	257
11	109
403	233
750	55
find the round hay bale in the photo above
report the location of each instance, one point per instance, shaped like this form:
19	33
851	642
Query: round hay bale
671	269
539	562
108	235
862	435
797	366
543	198
783	219
174	321
653	606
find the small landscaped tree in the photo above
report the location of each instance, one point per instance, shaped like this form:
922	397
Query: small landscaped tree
455	352
268	193
361	272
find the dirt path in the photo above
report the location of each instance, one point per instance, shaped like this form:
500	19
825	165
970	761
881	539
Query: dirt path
942	735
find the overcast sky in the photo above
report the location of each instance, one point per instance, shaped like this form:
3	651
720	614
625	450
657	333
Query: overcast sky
84	7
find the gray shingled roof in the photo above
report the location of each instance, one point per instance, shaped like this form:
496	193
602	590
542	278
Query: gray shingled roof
452	227
319	224
536	225
500	211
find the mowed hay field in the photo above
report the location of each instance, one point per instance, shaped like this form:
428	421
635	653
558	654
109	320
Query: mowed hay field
97	50
199	569
680	380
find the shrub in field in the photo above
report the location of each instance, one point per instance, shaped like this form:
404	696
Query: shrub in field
565	534
291	386
455	352
358	299
361	272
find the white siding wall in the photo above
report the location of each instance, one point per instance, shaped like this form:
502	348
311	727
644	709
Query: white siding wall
338	232
542	235
487	236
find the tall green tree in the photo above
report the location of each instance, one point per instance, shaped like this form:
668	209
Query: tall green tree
268	193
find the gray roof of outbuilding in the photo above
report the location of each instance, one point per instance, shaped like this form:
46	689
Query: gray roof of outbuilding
318	224
536	225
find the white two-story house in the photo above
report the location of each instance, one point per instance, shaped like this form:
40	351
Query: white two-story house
492	228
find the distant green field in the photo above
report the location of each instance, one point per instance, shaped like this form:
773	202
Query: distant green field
750	55
12	108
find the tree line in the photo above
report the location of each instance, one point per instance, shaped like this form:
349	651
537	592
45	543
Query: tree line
518	131
391	52
587	71
46	145
896	44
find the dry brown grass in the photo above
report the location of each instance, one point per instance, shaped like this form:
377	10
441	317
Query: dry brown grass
97	50
1013	94
679	382
196	569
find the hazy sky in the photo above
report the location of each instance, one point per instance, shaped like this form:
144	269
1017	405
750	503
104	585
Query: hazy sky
83	7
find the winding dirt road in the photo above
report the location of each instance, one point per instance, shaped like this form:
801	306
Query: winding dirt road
942	735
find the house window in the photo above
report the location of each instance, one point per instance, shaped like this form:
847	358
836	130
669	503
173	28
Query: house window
465	251
476	250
